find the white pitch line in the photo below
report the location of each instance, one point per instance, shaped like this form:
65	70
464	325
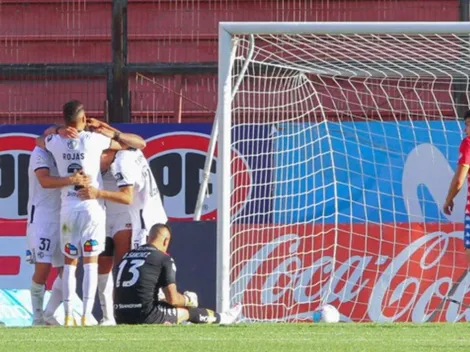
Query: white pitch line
313	338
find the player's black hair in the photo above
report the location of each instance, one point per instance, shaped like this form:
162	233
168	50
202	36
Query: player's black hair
466	115
71	110
158	228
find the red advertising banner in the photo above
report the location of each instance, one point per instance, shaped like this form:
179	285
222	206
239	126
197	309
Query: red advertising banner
382	273
15	272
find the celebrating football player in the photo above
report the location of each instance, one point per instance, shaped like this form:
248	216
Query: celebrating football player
82	222
43	228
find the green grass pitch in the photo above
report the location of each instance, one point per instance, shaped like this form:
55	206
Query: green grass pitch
253	337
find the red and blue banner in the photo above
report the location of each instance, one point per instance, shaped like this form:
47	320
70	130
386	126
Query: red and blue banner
176	154
348	212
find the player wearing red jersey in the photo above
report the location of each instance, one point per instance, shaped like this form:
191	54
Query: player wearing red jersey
458	181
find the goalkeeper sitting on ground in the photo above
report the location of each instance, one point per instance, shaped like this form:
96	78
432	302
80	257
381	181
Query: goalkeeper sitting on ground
142	272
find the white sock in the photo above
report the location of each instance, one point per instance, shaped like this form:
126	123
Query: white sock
69	287
105	292
37	299
90	284
77	302
56	297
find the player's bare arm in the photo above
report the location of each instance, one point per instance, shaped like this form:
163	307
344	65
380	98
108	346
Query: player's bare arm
173	297
63	131
120	140
95	124
48	181
455	186
124	196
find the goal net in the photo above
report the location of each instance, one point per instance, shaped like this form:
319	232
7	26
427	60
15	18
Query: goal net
336	146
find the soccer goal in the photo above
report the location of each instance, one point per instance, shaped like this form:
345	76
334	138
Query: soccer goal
336	146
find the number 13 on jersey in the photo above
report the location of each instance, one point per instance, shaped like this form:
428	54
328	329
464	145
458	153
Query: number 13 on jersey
130	269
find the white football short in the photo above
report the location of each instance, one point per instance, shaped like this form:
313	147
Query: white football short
82	233
139	238
143	220
44	244
117	222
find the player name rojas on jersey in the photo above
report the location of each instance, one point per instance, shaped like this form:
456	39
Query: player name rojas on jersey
73	156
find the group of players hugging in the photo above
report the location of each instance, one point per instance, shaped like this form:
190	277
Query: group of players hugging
92	195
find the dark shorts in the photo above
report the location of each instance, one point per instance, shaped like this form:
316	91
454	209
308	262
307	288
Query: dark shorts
108	248
159	313
162	313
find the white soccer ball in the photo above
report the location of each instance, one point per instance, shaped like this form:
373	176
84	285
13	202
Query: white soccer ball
326	314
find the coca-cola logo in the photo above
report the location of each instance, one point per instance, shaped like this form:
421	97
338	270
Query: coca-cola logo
391	273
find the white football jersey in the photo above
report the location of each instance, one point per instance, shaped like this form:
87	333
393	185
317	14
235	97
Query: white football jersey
130	168
109	184
71	155
43	203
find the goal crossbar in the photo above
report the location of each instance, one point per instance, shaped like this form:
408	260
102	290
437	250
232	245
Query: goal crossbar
276	28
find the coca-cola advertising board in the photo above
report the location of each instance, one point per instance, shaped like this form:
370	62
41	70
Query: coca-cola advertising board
370	272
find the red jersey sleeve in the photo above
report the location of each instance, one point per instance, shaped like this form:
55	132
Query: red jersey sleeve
464	152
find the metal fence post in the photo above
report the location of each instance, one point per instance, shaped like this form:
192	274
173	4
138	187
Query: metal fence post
118	106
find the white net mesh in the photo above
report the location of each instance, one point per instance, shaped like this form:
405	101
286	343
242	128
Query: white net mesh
345	149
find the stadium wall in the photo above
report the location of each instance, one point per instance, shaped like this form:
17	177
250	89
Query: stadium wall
172	51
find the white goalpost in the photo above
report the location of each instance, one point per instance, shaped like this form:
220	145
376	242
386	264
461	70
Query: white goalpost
336	143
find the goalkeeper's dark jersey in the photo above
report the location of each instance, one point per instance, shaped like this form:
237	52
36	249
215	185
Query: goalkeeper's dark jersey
141	273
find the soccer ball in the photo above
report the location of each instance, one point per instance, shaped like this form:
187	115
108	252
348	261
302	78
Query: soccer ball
326	314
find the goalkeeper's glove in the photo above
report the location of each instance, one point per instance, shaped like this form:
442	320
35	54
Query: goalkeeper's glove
190	299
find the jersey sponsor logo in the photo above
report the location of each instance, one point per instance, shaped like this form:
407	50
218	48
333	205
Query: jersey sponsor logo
90	246
177	162
128	306
71	249
72	168
72	194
